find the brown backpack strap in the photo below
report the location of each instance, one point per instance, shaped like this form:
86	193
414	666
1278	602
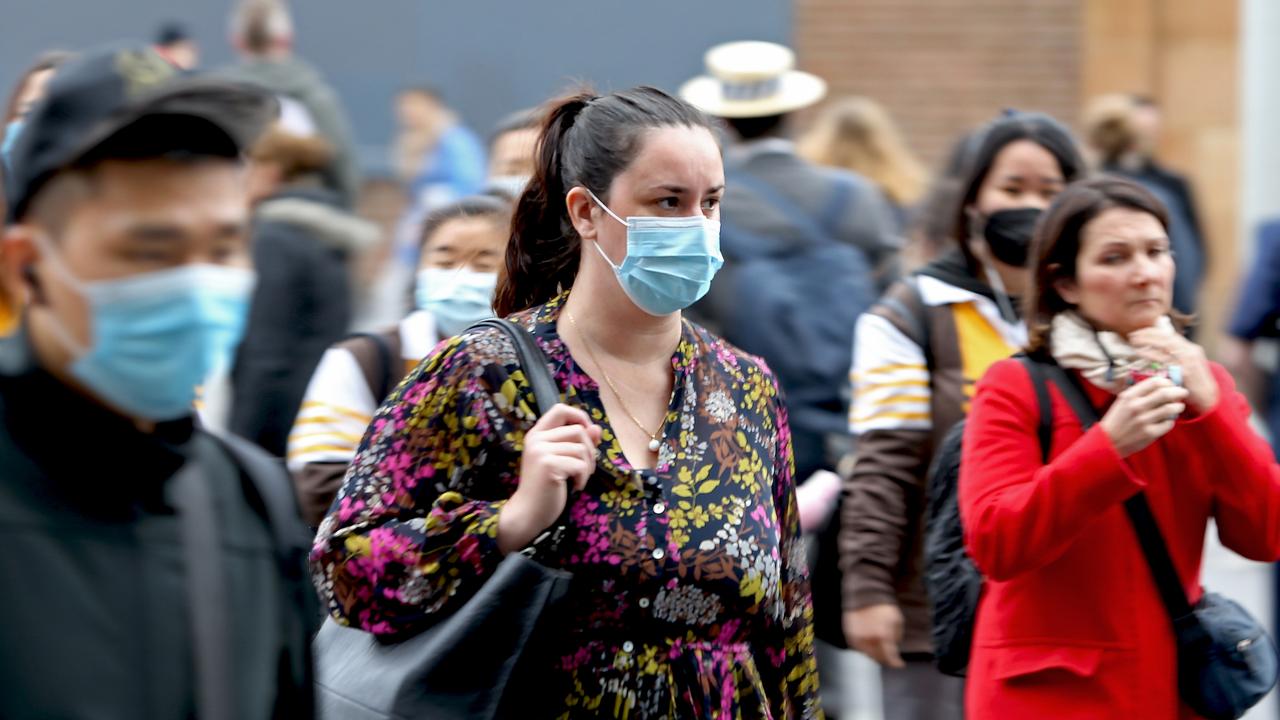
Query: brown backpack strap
904	308
378	355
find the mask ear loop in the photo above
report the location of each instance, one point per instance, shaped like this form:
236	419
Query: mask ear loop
596	243
60	330
604	207
993	278
1002	296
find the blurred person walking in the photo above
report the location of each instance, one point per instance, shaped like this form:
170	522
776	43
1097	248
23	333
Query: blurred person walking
175	44
690	597
1074	619
27	91
791	230
512	147
1256	322
917	355
438	161
304	244
262	32
859	135
1122	134
462	249
807	249
438	158
160	567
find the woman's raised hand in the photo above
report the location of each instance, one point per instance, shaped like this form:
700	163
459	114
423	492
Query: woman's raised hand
558	450
1165	345
1143	413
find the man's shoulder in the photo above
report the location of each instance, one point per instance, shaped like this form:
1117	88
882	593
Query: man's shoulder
794	175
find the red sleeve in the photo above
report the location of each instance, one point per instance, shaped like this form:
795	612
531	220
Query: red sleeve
1243	471
1018	513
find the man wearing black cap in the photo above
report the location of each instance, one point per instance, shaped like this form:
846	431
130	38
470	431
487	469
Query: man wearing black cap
150	570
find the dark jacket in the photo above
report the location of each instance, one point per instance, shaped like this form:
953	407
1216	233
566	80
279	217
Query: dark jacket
302	244
95	605
866	220
294	78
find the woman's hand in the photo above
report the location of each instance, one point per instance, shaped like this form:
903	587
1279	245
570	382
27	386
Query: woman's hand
1143	413
1165	345
560	448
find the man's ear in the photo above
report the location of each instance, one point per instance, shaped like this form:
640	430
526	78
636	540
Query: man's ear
582	213
19	254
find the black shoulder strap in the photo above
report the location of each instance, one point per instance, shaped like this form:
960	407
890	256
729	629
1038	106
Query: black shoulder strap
913	313
387	370
546	394
1044	428
532	360
1144	523
206	586
300	607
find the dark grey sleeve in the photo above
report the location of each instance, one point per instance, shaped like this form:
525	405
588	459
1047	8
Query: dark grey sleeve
868	225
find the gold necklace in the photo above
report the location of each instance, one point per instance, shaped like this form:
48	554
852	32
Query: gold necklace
654	441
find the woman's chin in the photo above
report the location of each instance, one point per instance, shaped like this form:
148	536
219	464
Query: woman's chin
1144	315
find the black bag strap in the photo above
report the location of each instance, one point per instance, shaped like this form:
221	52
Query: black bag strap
1044	428
388	372
546	394
532	360
1144	523
210	613
273	494
914	313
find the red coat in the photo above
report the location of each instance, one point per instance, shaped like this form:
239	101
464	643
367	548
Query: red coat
1070	624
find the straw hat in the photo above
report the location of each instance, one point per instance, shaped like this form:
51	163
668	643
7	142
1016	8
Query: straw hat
752	79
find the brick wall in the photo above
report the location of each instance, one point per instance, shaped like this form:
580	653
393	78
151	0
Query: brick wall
943	66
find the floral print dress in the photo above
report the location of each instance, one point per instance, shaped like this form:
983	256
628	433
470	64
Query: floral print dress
690	595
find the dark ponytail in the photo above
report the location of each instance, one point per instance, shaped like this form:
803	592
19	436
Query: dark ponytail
542	254
585	140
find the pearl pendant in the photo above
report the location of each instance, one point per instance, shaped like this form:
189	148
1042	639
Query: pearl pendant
653	445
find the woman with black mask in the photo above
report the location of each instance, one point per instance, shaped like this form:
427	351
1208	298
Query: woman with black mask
917	355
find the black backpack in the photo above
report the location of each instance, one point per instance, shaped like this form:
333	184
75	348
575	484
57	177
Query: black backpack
952	581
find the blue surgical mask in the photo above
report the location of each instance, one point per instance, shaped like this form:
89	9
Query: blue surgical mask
456	298
11	133
512	185
157	336
670	261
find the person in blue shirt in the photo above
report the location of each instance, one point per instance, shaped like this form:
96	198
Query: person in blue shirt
1256	318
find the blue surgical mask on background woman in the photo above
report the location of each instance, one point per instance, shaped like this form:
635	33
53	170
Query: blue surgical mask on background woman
457	298
156	336
670	261
11	133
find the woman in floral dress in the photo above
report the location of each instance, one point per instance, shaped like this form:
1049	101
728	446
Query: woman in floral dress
690	595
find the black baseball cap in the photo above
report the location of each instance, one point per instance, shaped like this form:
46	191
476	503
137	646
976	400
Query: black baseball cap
102	94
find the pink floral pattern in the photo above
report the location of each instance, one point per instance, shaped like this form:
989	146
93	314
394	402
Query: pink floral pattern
691	597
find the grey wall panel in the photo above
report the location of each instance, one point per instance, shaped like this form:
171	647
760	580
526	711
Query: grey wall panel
488	57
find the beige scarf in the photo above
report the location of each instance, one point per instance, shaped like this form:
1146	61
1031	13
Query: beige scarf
1104	358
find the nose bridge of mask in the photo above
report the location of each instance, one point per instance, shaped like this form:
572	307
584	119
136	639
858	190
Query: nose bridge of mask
447	281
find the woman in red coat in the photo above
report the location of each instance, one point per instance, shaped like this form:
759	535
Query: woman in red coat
1071	624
